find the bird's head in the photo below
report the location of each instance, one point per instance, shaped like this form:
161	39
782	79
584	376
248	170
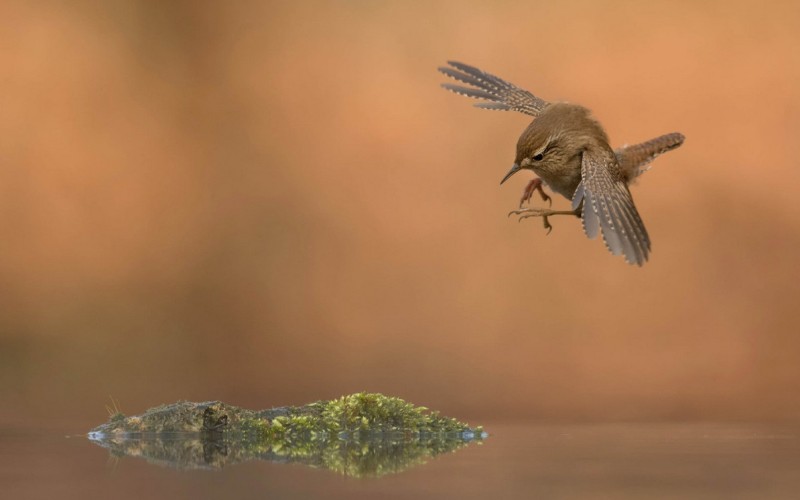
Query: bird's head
536	150
555	139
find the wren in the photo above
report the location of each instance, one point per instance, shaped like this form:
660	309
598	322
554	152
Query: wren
570	153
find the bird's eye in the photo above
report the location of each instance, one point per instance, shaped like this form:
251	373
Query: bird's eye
538	157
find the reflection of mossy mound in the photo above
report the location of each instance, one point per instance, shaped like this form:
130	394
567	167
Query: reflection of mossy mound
357	435
351	457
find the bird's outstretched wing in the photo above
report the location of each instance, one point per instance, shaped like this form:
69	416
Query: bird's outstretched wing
501	94
635	160
608	206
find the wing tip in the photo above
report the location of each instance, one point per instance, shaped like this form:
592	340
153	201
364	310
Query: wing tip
638	261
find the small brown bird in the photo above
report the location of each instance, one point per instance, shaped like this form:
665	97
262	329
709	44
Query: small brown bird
569	152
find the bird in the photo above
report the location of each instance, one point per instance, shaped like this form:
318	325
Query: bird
569	152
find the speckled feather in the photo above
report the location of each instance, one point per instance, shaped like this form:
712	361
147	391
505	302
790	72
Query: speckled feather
607	203
635	160
502	95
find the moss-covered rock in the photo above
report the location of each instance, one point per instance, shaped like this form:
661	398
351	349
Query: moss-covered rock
355	415
358	435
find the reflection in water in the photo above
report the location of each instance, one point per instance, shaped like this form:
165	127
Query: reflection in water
351	457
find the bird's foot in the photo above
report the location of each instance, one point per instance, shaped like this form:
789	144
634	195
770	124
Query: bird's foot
534	185
544	213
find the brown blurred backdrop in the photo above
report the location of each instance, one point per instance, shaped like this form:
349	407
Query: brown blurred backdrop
271	203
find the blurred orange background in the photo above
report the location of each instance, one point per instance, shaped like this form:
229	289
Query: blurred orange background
271	203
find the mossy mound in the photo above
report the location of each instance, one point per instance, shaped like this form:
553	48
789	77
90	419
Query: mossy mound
355	415
357	435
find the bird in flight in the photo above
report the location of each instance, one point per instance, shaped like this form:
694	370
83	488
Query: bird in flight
569	152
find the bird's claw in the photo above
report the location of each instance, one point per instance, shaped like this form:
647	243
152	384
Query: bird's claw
525	213
547	225
527	194
520	211
544	213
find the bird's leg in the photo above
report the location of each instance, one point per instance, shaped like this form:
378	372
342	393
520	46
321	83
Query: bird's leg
544	213
534	185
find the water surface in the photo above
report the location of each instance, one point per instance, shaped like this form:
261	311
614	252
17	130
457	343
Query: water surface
516	461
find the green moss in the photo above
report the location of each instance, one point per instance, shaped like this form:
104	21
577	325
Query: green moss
359	434
117	417
360	414
255	428
376	413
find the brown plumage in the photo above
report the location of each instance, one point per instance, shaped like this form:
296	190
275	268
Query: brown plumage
570	153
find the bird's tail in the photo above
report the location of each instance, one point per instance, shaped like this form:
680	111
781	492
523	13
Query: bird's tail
635	160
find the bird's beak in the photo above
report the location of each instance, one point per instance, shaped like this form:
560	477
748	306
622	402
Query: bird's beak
514	169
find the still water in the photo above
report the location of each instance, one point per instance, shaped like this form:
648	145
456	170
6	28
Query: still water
615	461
